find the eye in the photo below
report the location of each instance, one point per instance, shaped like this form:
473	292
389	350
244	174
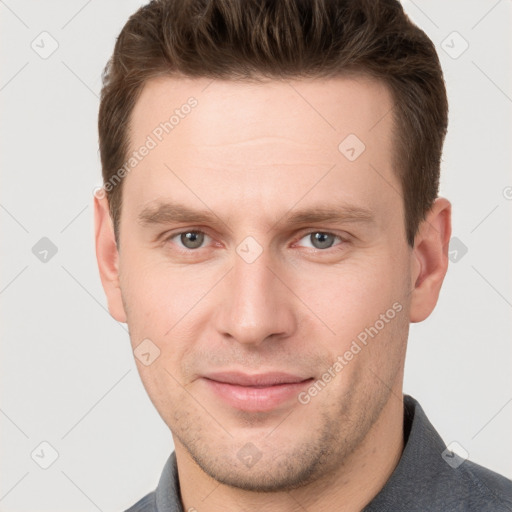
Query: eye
321	239
189	239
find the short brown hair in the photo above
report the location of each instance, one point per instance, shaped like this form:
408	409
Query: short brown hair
280	39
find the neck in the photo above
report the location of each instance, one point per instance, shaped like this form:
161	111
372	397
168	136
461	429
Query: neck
349	487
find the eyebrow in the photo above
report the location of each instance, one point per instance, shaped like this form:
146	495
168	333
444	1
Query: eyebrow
167	213
342	213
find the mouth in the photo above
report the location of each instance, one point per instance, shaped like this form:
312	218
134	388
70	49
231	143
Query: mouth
257	392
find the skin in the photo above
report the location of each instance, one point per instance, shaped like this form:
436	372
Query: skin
254	154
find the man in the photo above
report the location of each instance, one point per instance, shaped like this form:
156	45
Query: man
270	228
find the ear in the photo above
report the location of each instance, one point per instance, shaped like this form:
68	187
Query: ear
430	259
108	257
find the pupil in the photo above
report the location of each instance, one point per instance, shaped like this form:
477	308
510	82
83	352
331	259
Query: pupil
322	240
192	239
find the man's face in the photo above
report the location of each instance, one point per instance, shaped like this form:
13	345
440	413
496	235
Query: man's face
251	304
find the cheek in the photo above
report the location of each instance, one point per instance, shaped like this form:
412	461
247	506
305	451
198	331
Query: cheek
158	306
351	296
158	297
162	305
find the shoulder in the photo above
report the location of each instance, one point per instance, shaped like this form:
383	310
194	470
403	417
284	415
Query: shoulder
431	477
146	504
486	489
454	483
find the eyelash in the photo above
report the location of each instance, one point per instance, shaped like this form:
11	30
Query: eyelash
343	240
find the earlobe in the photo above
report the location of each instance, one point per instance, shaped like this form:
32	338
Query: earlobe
107	256
430	259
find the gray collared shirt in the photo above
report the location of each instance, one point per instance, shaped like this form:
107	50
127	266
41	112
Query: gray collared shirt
428	478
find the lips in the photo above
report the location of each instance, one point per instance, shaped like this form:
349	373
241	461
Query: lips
257	392
257	380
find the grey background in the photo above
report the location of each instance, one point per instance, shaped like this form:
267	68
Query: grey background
67	372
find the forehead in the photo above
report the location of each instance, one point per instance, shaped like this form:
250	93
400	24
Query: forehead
232	141
324	110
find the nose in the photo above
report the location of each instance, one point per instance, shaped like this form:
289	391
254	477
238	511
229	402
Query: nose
256	304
